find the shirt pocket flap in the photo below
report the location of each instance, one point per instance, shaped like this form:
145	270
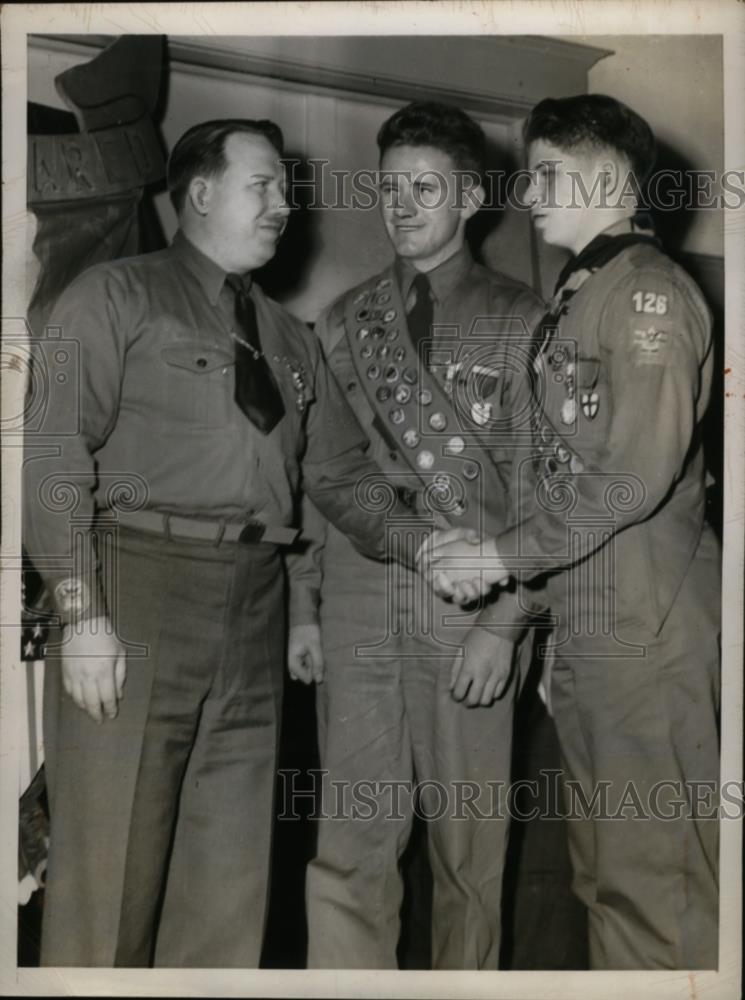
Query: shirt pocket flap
197	357
588	370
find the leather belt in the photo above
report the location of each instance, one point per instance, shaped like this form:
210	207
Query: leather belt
175	526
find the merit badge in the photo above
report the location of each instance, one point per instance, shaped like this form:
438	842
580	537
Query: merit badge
383	299
455	445
411	438
360	297
562	454
438	421
424	396
410	376
383	351
558	357
382	283
367	351
425	460
363	332
389	315
391	373
392	334
399	354
397	416
470	470
590	402
383	394
373	372
403	393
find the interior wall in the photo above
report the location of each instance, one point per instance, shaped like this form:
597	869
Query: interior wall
324	251
676	83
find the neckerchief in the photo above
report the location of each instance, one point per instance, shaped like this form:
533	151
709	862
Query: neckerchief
598	252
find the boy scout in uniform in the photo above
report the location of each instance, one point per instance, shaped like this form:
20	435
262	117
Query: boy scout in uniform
424	352
200	401
623	374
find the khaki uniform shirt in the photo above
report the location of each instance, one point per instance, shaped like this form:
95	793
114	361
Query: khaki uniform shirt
622	389
482	311
140	412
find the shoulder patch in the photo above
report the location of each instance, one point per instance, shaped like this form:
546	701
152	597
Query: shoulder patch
650	344
649	302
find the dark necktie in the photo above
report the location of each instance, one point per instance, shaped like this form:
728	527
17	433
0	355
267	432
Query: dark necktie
256	390
420	315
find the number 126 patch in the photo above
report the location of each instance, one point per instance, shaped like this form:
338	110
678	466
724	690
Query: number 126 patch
649	302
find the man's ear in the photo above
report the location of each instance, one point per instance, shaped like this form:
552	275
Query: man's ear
611	173
199	192
473	199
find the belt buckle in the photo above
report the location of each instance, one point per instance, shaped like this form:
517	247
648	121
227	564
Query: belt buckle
253	532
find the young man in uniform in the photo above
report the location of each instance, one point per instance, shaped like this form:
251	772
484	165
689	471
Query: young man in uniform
199	403
427	352
623	374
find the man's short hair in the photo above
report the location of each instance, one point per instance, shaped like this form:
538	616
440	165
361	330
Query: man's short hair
430	123
200	152
593	122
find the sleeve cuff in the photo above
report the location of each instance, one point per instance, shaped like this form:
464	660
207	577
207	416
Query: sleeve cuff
303	606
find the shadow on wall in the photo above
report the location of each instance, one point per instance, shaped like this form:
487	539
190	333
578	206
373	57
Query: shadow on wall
671	209
283	274
500	234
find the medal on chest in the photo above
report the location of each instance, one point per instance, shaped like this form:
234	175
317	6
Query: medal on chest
297	375
568	412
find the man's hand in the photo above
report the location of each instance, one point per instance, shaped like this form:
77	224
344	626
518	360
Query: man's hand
456	564
305	654
93	667
481	675
427	558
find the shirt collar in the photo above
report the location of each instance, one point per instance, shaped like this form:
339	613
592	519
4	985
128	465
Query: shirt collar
208	273
442	279
637	223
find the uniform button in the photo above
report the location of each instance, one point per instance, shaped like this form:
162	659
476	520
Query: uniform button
202	362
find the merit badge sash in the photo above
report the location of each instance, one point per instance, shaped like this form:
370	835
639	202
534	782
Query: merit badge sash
415	414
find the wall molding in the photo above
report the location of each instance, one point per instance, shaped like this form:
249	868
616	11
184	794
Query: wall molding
501	76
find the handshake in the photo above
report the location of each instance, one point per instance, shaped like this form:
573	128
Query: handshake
457	563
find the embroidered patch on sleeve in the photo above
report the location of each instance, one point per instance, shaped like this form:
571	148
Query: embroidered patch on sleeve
652	303
650	345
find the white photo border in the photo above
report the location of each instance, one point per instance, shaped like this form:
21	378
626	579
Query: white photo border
512	17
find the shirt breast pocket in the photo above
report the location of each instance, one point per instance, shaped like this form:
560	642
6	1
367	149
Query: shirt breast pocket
198	385
348	379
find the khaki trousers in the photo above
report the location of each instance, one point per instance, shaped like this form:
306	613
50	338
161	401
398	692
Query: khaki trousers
642	734
161	819
387	719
